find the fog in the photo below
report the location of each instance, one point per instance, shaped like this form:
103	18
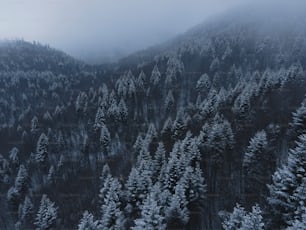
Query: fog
96	29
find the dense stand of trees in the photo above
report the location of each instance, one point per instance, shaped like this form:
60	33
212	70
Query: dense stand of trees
209	134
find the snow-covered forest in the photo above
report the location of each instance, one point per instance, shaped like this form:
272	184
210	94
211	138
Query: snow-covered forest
207	131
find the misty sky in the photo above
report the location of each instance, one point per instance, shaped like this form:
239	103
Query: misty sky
96	27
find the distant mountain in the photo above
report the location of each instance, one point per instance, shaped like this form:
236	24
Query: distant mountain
251	25
23	55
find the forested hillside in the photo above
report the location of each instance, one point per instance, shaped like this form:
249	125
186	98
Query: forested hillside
207	131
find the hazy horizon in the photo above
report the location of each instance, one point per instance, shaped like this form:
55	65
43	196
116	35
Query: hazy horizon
97	30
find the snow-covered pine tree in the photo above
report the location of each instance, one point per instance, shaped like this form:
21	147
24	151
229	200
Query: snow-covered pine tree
87	222
159	161
22	179
240	219
122	110
105	139
253	220
47	214
299	224
26	210
34	125
298	124
285	183
256	163
99	119
14	156
151	217
41	155
179	125
169	101
112	216
155	76
177	213
203	84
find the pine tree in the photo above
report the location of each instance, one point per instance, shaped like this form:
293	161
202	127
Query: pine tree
155	76
285	183
22	179
14	156
141	81
51	175
169	101
203	84
175	68
299	224
179	126
253	220
257	163
173	170
240	219
167	130
100	119
13	197
47	214
112	216
215	64
298	124
220	139
41	155
131	186
87	222
34	125
105	139
235	219
105	173
26	210
123	111
159	160
177	212
151	216
195	185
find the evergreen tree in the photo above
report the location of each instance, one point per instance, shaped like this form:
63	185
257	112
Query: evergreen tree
26	210
167	130
87	222
47	214
14	156
285	182
177	212
155	76
169	101
203	84
235	219
175	68
299	224
253	220
240	219
257	163
179	125
159	160
141	80
105	173
100	119
51	175
41	155
132	191
112	216
123	111
34	125
22	179
151	216
298	124
105	139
